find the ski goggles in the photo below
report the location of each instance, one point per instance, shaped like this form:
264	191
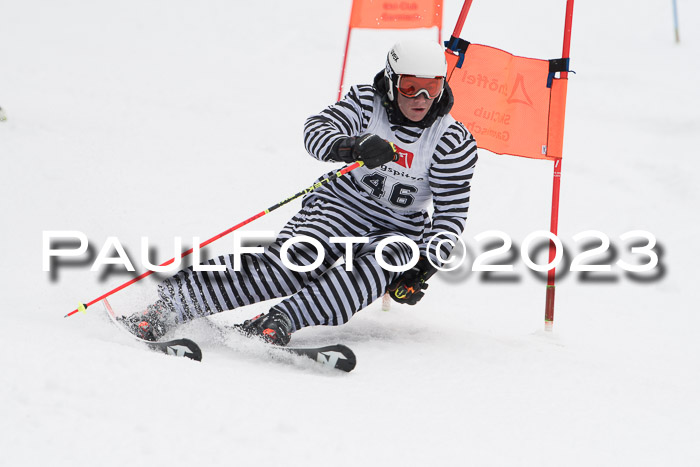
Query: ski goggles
413	86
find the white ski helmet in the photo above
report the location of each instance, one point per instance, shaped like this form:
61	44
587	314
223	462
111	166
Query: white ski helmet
421	58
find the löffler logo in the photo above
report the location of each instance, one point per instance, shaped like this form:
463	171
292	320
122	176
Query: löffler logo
519	94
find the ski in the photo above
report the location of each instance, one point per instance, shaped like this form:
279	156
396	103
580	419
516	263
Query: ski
176	347
336	356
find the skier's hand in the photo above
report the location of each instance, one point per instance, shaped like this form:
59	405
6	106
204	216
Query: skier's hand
408	288
369	148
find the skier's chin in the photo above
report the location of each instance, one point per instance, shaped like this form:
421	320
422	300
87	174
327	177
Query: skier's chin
416	115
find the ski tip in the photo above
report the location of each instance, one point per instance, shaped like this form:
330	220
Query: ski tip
179	348
336	356
349	360
195	352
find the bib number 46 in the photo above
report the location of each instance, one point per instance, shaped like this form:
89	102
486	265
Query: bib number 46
400	195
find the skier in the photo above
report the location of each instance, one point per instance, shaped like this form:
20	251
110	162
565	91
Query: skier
413	151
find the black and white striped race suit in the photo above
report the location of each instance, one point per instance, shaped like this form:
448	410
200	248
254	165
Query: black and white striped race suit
436	164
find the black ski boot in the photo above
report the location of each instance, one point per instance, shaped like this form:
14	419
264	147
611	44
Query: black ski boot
151	324
274	327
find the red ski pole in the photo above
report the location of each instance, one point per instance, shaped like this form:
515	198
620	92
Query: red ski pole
82	307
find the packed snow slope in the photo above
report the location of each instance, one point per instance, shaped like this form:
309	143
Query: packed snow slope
181	119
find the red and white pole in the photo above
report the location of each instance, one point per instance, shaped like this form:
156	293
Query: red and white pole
462	17
345	61
556	185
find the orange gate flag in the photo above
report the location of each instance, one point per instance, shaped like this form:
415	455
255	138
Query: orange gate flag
391	14
396	14
512	105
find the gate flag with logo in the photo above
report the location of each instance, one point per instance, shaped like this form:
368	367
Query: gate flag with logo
391	14
514	105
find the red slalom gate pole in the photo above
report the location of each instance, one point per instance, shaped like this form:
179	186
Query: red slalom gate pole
462	18
82	307
556	185
345	60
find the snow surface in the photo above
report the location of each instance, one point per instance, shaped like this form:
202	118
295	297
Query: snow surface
180	118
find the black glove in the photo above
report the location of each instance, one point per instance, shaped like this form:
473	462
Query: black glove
369	148
408	287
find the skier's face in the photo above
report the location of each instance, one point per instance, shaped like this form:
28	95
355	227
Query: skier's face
414	108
